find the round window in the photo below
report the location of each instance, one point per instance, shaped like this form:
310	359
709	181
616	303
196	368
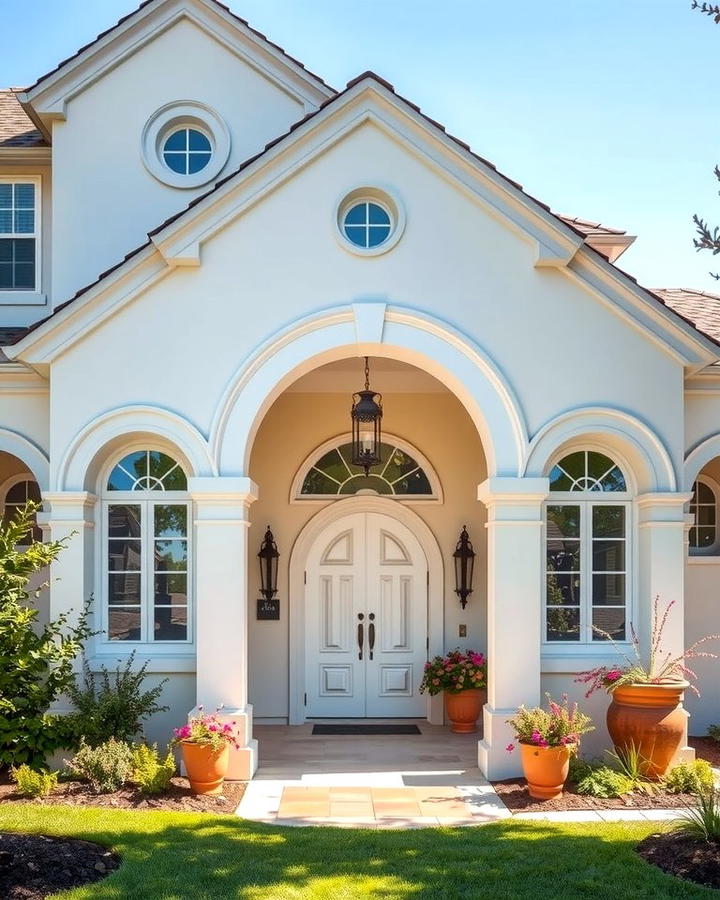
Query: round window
186	151
367	224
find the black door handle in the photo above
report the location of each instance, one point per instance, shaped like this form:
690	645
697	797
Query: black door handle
371	634
360	635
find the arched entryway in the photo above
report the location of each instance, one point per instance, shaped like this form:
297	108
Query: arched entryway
361	557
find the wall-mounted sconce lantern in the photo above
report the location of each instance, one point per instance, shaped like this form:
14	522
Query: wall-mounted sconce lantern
464	557
269	606
366	415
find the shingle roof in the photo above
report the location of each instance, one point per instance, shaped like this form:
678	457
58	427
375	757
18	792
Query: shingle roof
145	3
700	307
16	129
588	227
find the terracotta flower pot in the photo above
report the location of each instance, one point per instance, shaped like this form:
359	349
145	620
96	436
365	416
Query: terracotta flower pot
651	718
463	708
206	768
546	770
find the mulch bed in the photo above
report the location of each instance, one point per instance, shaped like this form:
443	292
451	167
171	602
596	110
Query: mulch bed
179	798
513	793
706	748
678	855
34	866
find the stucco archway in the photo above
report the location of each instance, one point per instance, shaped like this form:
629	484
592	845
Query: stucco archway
633	443
298	557
123	424
698	458
29	454
371	329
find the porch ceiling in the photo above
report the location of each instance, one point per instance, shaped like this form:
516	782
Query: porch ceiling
386	375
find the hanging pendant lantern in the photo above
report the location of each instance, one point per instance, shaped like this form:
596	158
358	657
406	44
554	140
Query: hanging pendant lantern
366	415
464	557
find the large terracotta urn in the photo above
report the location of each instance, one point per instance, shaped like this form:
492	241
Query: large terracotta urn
463	709
206	768
546	770
650	718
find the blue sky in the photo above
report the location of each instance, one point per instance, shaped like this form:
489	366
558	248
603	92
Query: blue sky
607	110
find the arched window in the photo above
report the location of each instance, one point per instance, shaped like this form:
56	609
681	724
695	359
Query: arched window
17	492
147	550
587	558
401	474
703	534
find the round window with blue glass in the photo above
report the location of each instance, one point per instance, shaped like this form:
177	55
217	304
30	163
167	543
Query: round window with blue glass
187	151
367	224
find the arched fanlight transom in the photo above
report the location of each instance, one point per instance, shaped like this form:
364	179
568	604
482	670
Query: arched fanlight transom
147	470
587	470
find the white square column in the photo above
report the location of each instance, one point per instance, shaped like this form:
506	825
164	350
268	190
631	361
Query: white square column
663	549
221	603
69	516
515	596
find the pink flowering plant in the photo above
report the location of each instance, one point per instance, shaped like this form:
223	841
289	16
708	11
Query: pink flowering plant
560	725
207	730
459	670
659	667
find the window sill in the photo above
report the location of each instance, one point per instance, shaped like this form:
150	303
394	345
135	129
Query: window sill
580	658
704	560
22	298
156	664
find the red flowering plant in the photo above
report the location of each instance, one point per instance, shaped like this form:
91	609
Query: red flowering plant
459	670
207	730
560	725
659	667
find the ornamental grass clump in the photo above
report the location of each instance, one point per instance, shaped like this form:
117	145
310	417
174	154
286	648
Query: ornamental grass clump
207	731
659	667
560	725
702	822
459	670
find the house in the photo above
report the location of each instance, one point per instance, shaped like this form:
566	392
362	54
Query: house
201	242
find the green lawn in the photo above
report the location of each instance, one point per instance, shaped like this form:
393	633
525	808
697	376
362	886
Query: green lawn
169	856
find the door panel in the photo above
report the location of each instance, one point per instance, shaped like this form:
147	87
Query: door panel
366	619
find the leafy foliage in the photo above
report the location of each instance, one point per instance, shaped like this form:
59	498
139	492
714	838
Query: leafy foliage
457	671
36	664
149	772
604	782
31	783
558	725
702	822
113	704
690	778
105	768
714	732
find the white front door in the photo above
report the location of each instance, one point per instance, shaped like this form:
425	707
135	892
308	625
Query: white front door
366	620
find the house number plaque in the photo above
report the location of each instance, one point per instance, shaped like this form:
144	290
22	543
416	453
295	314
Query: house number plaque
268	609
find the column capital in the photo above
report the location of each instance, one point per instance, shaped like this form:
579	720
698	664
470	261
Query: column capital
518	499
69	507
235	490
666	507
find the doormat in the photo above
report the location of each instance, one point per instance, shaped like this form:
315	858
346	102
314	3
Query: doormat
366	729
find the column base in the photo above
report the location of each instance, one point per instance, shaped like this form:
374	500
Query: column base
243	759
494	760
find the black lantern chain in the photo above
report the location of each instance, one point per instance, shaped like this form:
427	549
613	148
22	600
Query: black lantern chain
464	557
366	416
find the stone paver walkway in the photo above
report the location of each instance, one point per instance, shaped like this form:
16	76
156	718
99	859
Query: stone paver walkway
399	781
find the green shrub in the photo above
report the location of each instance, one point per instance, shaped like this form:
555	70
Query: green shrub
113	704
31	783
149	772
580	768
702	823
605	782
105	768
714	732
690	778
36	663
